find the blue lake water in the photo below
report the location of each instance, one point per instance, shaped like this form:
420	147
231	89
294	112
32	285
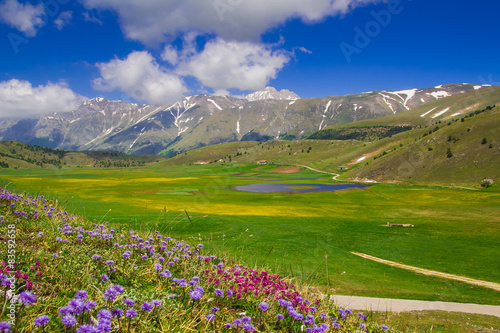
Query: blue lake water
280	187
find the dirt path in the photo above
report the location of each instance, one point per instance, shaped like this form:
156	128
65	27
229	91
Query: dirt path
403	305
486	284
335	175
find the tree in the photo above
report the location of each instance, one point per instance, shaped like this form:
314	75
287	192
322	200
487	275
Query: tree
449	153
484	141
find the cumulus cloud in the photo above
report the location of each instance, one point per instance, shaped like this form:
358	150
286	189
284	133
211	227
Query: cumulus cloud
63	19
23	17
155	21
170	55
242	65
19	99
140	77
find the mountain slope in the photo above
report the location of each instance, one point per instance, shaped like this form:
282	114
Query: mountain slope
202	120
424	115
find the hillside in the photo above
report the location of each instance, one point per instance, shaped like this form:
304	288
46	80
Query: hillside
421	116
419	155
464	150
20	155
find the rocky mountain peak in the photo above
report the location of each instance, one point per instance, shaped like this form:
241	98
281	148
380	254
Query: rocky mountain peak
272	93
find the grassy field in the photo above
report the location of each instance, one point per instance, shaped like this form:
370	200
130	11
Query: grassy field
308	236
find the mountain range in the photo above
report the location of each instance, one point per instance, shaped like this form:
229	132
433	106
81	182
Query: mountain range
201	120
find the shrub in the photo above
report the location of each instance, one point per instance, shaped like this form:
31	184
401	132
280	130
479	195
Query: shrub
486	182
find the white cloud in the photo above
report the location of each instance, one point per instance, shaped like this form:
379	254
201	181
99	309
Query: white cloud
242	65
24	17
140	77
155	21
171	55
90	17
19	99
63	19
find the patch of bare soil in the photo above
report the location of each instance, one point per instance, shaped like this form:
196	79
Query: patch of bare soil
287	170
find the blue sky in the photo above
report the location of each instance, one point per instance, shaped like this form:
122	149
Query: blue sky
156	51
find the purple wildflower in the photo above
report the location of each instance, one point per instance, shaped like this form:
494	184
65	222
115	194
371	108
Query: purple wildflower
218	292
76	306
248	327
110	262
229	293
280	316
110	294
68	320
214	309
5	327
81	294
42	320
27	298
129	302
117	313
384	327
104	278
156	302
131	313
86	329
263	306
119	289
158	267
90	304
196	293
147	306
228	326
210	317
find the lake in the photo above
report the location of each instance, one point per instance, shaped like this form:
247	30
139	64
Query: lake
295	187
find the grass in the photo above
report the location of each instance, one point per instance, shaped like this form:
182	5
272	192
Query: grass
72	274
60	272
456	230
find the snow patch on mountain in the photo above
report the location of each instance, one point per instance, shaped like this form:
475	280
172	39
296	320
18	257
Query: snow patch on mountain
425	114
439	94
272	93
409	95
440	113
215	104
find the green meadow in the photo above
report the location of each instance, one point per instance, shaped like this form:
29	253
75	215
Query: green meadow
308	236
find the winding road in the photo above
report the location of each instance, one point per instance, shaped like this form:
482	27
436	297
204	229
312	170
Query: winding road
335	175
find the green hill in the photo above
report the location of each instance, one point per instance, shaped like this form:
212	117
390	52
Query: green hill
20	155
459	151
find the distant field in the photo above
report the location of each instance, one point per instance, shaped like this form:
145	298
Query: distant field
304	235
